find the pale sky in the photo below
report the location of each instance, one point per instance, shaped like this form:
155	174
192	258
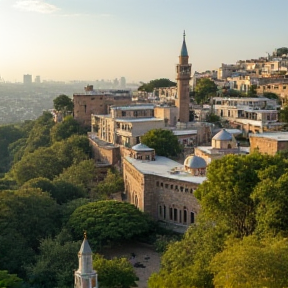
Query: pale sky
138	39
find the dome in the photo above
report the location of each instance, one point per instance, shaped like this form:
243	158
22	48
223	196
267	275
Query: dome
141	147
223	135
195	162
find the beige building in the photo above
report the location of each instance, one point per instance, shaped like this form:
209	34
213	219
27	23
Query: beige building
97	102
269	143
162	187
126	124
251	115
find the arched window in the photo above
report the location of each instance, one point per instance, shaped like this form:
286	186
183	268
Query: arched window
160	211
175	218
185	216
180	216
164	212
229	146
170	213
192	217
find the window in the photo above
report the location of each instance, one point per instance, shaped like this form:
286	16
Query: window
180	216
161	184
192	218
123	113
171	186
175	214
164	212
181	188
191	190
166	186
176	187
157	183
160	211
186	190
185	216
171	213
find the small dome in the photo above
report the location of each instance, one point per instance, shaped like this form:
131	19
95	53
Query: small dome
223	135
141	147
195	162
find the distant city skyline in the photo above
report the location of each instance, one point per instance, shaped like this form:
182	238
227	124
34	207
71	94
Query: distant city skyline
140	40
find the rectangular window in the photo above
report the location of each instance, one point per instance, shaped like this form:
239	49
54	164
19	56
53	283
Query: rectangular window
166	186
157	183
175	214
171	186
192	217
171	213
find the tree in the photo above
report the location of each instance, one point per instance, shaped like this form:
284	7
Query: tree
55	263
226	195
39	136
252	263
186	262
284	114
9	280
252	91
114	273
63	104
157	83
63	130
59	190
112	183
81	174
108	221
204	89
163	141
8	135
42	163
26	216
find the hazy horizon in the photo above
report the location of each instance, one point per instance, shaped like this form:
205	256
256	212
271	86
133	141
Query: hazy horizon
139	40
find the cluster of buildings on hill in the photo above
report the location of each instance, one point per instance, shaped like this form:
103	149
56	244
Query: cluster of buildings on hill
157	185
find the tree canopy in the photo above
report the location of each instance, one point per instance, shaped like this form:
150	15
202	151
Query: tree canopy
163	141
114	273
157	83
63	104
204	90
108	221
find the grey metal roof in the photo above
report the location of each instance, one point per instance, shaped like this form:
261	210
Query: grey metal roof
142	147
223	135
85	247
195	162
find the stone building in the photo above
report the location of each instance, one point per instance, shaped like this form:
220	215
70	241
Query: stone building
223	143
251	115
125	124
97	102
85	276
162	187
269	143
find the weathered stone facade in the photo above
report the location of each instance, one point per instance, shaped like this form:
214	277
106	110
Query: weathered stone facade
97	102
167	196
269	143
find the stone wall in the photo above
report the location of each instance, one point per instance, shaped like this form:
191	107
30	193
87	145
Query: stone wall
163	198
267	145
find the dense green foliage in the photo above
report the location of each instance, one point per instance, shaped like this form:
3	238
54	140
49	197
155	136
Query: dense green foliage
63	104
163	141
114	273
108	221
240	232
9	280
204	90
157	83
55	262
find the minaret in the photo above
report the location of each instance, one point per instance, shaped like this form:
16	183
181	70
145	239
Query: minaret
183	70
85	276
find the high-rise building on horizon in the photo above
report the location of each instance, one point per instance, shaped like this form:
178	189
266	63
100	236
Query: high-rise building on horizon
37	79
27	79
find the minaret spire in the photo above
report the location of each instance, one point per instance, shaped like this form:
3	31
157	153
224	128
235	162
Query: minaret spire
183	70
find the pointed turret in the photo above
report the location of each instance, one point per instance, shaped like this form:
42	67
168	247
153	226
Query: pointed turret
184	52
85	276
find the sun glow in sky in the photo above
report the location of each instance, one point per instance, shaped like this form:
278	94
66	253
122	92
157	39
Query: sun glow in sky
139	39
